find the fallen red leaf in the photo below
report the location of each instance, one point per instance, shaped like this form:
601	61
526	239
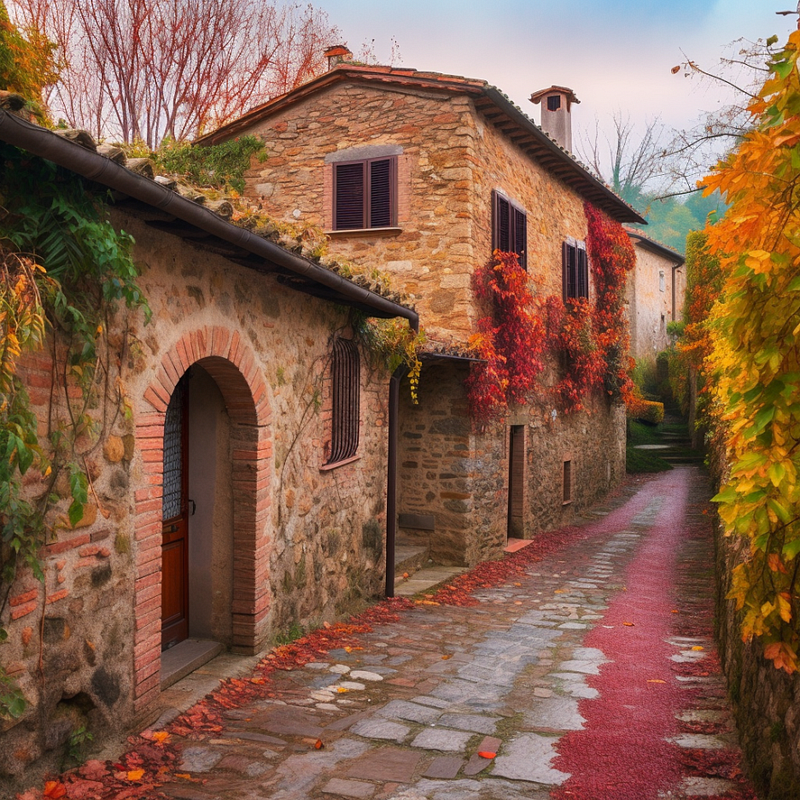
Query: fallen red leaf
54	789
486	754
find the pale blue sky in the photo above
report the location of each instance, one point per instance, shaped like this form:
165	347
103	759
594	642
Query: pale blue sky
615	54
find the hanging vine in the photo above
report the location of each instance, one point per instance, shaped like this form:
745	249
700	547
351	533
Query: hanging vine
64	269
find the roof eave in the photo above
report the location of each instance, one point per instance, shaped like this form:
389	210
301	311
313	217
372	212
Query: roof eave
95	167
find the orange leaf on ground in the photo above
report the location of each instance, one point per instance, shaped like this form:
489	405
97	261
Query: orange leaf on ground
160	736
697	647
628	624
655	680
486	754
135	774
319	744
54	789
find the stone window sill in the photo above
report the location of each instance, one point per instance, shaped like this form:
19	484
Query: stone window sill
364	232
327	467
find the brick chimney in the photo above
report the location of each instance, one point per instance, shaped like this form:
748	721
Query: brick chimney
337	54
556	119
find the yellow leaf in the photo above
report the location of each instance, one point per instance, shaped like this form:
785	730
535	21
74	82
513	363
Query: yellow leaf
135	774
698	647
160	736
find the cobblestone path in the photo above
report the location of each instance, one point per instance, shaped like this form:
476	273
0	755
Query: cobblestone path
591	676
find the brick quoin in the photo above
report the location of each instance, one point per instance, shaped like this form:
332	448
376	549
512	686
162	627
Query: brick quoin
226	356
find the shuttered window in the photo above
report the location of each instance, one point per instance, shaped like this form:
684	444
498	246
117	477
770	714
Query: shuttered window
509	228
365	194
346	386
575	271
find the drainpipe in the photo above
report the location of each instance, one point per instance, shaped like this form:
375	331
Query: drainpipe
391	477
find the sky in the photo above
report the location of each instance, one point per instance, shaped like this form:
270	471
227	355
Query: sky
616	55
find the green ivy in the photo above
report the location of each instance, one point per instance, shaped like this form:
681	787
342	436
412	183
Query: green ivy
74	269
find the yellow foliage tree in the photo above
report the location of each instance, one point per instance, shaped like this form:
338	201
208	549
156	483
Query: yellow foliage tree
755	359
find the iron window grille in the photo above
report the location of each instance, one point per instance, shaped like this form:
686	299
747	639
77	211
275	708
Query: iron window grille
346	389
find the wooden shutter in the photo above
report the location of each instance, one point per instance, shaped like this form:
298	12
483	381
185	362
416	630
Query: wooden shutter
582	273
501	223
349	210
567	493
570	269
381	193
520	228
346	380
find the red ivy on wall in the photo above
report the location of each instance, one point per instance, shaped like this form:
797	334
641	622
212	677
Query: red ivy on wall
572	339
588	341
612	257
510	340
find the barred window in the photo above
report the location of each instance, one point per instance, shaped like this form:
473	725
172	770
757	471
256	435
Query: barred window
346	385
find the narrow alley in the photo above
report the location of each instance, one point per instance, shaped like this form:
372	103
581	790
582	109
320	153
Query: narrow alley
582	666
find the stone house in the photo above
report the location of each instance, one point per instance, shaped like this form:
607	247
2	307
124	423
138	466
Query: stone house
235	498
422	175
655	295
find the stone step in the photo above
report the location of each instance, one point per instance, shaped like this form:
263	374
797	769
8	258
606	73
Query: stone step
409	558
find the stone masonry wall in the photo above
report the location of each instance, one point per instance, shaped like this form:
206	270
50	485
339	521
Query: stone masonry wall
766	701
448	471
452	159
649	308
306	544
430	253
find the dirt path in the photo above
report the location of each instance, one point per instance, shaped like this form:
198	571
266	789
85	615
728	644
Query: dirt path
581	667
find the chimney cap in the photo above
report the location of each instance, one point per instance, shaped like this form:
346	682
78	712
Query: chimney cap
536	97
338	50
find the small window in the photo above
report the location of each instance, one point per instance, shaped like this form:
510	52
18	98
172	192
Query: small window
575	271
567	485
554	102
365	194
509	228
346	412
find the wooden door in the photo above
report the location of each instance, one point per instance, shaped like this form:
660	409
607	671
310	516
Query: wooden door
516	481
175	540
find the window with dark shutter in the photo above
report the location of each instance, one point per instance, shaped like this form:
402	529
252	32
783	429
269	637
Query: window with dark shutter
509	228
365	194
346	389
575	271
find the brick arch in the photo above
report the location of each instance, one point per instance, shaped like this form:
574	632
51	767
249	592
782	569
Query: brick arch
233	365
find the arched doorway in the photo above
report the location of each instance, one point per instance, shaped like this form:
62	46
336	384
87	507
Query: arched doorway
230	393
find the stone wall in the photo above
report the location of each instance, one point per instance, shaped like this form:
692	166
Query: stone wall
286	542
449	472
766	701
430	253
460	477
649	305
452	159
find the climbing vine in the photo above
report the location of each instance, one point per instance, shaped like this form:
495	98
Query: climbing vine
572	339
509	340
755	360
612	257
64	268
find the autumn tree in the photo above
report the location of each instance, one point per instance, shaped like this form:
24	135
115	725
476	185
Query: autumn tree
153	69
27	59
755	359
